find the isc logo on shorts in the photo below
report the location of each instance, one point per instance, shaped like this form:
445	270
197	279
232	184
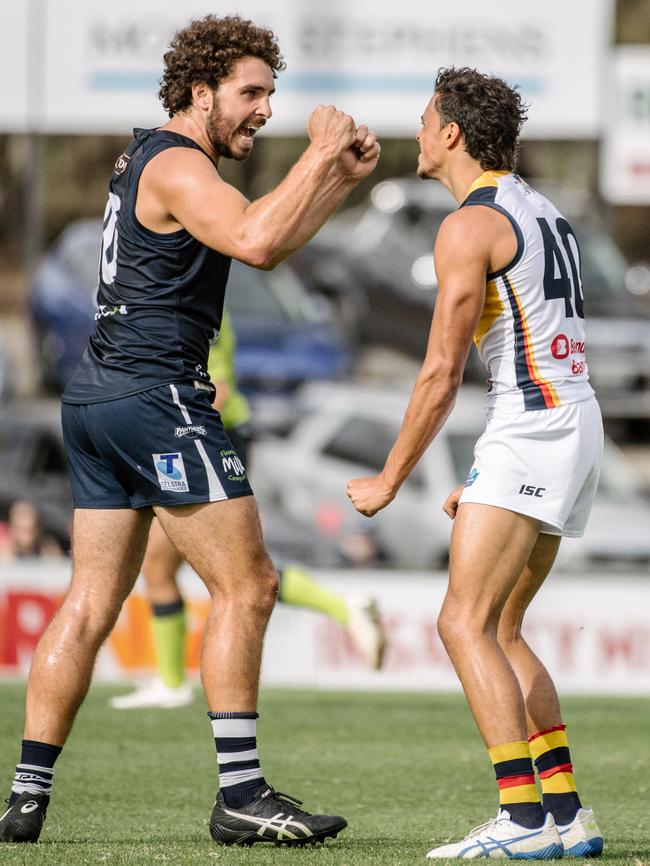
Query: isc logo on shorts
171	472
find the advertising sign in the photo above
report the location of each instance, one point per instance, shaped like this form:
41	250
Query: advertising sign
625	166
595	641
101	62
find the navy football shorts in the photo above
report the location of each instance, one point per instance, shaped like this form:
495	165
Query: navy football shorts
165	446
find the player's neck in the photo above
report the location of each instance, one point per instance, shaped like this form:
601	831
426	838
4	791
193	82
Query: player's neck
190	127
459	177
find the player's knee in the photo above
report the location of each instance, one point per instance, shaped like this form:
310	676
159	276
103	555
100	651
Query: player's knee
270	585
448	627
266	584
258	592
458	624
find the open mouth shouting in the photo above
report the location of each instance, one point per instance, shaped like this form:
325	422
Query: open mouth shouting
247	131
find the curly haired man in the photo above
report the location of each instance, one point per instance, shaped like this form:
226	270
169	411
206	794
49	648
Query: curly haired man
140	432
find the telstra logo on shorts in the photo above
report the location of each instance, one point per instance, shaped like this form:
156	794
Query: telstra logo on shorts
171	472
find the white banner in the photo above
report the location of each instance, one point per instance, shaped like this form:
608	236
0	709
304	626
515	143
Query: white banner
625	165
593	633
14	70
101	64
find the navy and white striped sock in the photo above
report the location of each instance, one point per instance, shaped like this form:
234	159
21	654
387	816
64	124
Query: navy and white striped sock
35	772
240	774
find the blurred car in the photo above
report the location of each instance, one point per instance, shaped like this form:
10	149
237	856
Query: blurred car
285	336
63	300
33	467
347	431
380	252
6	371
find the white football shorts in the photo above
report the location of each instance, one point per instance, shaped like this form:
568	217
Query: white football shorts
543	463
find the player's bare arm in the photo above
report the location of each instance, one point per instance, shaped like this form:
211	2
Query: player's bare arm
471	242
182	188
352	166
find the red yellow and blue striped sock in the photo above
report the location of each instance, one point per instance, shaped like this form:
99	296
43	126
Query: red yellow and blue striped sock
518	795
550	751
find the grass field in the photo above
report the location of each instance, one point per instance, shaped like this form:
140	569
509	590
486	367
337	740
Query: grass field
406	770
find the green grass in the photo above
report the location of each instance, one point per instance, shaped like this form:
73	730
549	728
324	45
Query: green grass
406	770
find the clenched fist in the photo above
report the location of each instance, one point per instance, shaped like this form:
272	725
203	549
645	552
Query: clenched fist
331	129
362	156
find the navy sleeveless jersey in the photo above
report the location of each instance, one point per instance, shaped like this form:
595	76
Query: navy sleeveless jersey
160	296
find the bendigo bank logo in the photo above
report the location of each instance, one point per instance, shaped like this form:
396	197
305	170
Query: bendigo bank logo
560	347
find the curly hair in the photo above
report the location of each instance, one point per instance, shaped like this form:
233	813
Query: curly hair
489	112
206	50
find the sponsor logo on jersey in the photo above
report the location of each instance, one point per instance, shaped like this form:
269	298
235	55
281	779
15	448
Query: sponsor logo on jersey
192	431
122	163
531	490
471	478
231	463
171	472
104	311
523	186
560	347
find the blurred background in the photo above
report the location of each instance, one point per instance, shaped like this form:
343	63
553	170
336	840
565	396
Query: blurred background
328	344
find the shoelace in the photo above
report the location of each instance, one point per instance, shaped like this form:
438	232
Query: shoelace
481	827
287	798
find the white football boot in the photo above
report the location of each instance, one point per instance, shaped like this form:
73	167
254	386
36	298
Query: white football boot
582	837
154	693
366	630
502	839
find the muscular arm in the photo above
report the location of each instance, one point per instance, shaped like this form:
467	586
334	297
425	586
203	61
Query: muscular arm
463	255
182	187
350	167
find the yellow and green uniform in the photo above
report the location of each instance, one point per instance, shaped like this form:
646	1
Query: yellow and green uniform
221	367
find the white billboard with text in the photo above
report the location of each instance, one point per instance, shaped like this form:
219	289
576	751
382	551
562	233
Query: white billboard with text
96	66
592	632
625	166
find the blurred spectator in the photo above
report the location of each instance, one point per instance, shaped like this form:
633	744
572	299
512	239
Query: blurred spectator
360	548
23	536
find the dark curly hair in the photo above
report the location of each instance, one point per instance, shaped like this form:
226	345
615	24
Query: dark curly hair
489	112
206	50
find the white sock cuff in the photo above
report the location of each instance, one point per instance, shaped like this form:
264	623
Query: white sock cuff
231	728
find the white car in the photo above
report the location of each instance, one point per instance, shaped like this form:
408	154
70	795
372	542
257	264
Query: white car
347	431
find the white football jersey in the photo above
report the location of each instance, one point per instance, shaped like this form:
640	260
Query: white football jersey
531	334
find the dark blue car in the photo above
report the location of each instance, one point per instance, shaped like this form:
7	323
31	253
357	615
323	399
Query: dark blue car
285	336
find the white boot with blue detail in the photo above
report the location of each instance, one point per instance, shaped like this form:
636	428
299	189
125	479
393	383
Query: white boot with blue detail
502	839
